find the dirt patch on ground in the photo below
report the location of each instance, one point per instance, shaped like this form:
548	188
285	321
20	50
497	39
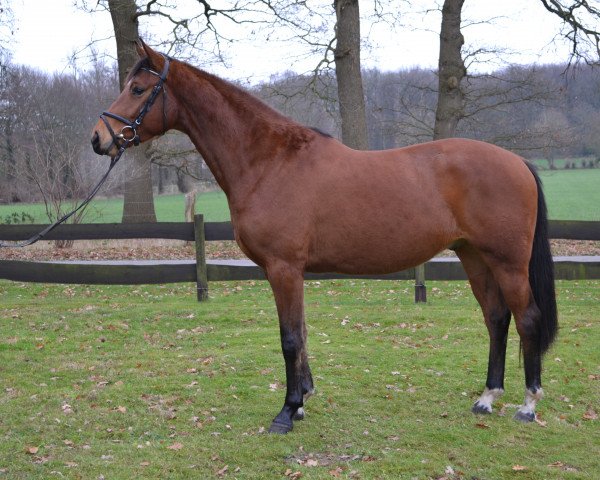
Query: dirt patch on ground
179	250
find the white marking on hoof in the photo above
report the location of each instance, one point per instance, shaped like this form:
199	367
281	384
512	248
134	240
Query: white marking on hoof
299	415
528	408
486	400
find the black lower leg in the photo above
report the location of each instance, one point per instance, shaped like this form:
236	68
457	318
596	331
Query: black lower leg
532	359
497	324
497	358
299	383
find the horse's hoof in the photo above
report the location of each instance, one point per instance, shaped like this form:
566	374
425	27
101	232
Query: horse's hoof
525	417
480	409
299	415
280	428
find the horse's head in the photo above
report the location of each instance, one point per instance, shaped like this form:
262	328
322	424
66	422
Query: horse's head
141	111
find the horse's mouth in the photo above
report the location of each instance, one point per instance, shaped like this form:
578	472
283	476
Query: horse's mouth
97	146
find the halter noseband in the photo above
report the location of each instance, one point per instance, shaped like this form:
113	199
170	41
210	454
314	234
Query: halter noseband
128	133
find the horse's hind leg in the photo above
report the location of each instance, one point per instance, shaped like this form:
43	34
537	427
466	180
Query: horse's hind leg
497	319
287	283
516	290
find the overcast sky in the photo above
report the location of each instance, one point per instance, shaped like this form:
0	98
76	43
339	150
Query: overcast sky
49	32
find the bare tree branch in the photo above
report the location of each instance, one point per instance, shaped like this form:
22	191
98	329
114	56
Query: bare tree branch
580	19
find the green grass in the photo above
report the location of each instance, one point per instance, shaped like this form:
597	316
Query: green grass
571	195
144	382
169	208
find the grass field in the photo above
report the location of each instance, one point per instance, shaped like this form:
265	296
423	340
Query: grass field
169	208
144	382
571	195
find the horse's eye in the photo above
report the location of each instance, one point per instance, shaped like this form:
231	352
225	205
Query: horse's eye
137	91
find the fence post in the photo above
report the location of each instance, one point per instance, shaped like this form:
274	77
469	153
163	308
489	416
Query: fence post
420	288
201	273
190	206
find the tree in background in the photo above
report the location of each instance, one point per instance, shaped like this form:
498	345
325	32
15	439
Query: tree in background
580	27
348	74
138	201
43	121
331	31
451	71
6	28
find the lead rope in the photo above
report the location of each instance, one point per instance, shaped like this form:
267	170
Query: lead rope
39	236
135	139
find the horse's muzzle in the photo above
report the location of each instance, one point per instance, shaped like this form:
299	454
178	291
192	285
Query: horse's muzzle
96	144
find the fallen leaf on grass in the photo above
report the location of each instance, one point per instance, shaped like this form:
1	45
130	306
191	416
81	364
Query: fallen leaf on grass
31	450
222	471
175	446
540	422
41	460
336	472
519	468
590	414
144	464
292	475
563	466
482	425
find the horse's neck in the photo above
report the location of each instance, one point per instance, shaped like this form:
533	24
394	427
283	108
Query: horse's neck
233	131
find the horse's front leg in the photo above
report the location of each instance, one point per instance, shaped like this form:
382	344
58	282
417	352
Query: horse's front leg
287	283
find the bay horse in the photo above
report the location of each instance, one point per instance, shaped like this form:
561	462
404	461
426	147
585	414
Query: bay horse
301	201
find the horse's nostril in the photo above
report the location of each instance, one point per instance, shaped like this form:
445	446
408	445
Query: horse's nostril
96	143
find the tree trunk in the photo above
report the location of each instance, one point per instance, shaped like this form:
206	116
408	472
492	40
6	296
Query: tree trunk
348	74
451	71
138	202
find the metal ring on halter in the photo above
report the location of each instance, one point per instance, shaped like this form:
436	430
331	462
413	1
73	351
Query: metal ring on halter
133	131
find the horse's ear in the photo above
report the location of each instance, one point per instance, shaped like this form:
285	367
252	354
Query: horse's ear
155	59
140	48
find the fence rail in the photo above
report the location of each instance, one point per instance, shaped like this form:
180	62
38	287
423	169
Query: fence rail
202	271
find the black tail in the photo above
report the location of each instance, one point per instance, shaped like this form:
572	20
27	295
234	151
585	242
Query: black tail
541	272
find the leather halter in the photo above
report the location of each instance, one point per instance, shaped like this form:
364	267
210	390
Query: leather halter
128	133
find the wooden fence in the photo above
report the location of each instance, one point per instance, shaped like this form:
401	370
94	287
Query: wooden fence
201	271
